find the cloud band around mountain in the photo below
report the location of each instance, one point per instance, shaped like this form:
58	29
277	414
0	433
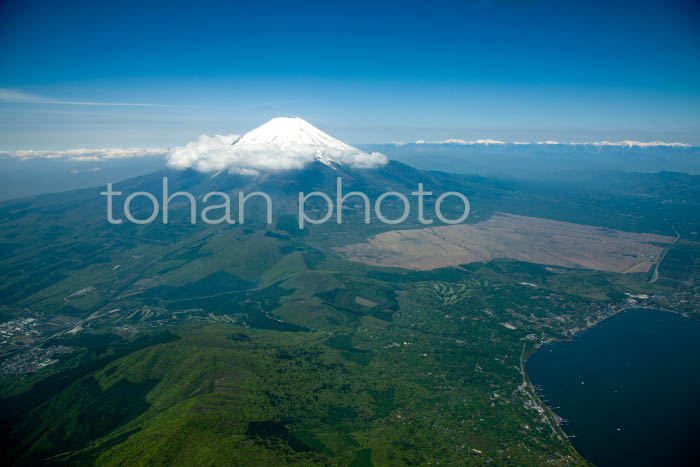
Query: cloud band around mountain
216	153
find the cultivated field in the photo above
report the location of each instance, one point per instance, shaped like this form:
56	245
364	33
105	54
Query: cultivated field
510	236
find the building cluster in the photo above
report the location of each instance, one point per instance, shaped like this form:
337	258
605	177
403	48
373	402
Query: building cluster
18	332
32	360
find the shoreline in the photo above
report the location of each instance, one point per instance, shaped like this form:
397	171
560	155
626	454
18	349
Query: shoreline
551	417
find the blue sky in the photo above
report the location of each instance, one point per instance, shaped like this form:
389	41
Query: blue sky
362	71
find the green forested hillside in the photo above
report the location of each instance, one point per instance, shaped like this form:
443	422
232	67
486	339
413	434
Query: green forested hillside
258	345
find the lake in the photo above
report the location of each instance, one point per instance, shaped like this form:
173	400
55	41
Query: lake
629	389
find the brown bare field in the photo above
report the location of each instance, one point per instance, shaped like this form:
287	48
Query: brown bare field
510	236
365	302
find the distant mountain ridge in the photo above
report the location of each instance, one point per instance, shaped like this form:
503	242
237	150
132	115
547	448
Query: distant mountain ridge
543	160
624	143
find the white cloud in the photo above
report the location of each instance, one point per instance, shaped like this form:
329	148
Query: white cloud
216	153
208	153
219	153
12	95
87	155
280	144
21	97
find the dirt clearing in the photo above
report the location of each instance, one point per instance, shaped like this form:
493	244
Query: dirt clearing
510	236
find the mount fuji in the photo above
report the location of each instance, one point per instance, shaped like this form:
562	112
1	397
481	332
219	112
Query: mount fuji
281	143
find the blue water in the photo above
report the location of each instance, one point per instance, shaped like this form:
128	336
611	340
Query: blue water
629	389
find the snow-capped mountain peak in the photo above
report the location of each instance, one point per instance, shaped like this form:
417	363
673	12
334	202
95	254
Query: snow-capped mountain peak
291	133
288	131
281	143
